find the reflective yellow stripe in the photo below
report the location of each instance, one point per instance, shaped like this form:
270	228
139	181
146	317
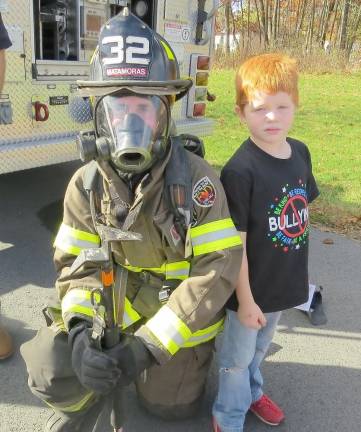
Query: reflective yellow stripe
177	270
174	334
217	245
169	52
73	241
174	270
214	236
72	250
171	332
204	335
211	227
130	315
55	314
78	301
78	406
151	269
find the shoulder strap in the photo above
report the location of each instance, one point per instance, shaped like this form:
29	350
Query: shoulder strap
90	176
193	144
178	185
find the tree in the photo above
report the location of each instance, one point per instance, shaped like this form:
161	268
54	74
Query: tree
228	27
292	23
343	25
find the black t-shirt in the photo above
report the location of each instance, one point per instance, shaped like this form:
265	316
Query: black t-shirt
268	198
5	41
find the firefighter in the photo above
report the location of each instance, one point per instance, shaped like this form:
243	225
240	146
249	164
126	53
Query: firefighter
179	276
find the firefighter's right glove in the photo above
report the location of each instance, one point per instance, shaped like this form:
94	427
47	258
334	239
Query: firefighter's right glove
132	357
95	370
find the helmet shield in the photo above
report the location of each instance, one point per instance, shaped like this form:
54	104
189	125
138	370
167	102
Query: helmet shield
134	126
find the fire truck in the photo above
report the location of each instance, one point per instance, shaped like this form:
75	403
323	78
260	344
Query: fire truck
52	43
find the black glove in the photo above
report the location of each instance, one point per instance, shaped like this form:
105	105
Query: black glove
95	370
132	357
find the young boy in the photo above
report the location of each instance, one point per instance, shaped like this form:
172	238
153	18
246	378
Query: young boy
268	183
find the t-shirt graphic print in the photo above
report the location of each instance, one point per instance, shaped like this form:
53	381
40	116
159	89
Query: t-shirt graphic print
288	218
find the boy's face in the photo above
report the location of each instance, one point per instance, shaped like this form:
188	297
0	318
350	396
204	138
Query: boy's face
268	117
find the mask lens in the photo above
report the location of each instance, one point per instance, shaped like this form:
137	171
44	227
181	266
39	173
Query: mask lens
132	124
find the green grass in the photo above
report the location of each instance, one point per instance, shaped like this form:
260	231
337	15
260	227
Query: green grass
328	121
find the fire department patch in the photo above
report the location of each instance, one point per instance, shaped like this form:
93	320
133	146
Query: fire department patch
204	193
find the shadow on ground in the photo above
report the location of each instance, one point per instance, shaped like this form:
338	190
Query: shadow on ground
30	200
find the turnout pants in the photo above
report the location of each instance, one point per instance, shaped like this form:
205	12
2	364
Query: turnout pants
171	391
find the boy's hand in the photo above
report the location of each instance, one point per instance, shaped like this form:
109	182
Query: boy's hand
251	316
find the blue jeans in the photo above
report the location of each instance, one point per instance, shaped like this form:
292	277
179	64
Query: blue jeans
240	380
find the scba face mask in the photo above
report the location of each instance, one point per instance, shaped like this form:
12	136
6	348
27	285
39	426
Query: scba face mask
135	128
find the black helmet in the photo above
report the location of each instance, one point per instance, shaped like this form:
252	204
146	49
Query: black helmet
134	79
130	55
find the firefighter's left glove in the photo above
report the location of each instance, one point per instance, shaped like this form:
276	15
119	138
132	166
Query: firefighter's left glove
95	370
132	357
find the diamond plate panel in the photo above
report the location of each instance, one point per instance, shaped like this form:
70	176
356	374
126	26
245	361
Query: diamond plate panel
27	143
32	154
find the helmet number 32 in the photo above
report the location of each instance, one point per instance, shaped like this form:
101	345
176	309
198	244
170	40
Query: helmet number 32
127	49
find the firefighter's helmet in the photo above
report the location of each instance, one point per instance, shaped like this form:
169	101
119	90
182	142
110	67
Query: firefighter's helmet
134	80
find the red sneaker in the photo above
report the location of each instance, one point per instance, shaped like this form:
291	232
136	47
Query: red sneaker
267	411
216	428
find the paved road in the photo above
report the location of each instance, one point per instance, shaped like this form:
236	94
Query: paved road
313	372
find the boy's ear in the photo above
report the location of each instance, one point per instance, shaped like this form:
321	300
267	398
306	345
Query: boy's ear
239	112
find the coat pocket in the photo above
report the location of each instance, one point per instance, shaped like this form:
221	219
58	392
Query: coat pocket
171	240
146	302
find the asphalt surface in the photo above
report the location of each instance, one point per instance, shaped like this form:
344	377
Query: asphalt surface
314	373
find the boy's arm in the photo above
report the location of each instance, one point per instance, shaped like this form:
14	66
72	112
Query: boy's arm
239	197
249	314
312	189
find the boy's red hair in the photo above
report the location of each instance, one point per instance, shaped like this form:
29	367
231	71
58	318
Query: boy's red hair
269	73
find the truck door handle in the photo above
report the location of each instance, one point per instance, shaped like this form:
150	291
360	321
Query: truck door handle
41	111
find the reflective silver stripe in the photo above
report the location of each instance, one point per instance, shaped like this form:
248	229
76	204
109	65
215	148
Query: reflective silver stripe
177	270
71	302
78	301
213	236
82	244
126	320
199	339
205	334
68	237
173	333
173	273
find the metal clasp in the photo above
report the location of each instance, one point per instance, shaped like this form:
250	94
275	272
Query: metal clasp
99	324
164	295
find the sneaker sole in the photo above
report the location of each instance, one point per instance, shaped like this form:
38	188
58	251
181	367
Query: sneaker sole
265	421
